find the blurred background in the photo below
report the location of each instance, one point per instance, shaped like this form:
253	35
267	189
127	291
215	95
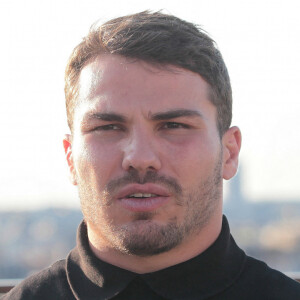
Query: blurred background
260	43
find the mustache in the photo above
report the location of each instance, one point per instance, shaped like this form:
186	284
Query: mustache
133	176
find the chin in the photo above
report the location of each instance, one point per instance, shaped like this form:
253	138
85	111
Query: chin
144	237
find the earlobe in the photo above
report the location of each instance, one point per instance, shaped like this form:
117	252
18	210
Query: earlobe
231	148
67	143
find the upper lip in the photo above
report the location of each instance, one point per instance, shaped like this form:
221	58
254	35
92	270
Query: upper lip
147	188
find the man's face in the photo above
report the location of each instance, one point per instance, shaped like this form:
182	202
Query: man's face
145	154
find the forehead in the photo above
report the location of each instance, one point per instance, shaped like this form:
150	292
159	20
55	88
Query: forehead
112	82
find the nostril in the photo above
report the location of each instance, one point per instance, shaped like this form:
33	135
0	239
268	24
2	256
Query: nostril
141	163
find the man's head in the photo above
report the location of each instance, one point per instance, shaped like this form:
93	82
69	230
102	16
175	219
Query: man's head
161	40
145	150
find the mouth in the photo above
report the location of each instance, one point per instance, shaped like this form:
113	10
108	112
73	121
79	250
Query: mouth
137	198
142	195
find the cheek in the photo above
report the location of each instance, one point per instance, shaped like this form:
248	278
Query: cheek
94	161
193	158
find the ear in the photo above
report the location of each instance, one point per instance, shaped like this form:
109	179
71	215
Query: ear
231	141
67	142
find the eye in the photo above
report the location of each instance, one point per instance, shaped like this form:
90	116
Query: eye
108	127
174	125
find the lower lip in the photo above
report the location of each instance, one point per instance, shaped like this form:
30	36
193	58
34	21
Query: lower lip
143	204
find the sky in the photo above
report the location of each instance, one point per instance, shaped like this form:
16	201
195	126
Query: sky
260	43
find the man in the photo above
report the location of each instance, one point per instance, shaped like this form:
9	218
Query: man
149	108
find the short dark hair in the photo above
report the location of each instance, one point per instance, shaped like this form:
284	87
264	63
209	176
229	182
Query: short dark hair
156	38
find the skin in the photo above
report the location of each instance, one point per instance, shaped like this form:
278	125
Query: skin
143	129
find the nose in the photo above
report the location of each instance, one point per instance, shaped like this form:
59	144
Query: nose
141	152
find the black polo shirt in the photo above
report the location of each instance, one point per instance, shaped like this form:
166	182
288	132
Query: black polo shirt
223	271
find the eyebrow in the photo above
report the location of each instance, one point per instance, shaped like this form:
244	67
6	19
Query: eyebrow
110	117
172	114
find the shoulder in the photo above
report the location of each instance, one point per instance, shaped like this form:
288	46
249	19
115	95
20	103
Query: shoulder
262	282
50	283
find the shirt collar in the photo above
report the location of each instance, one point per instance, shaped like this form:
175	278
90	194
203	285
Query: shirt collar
201	277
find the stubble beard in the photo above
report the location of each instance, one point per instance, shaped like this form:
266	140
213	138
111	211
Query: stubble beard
144	237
